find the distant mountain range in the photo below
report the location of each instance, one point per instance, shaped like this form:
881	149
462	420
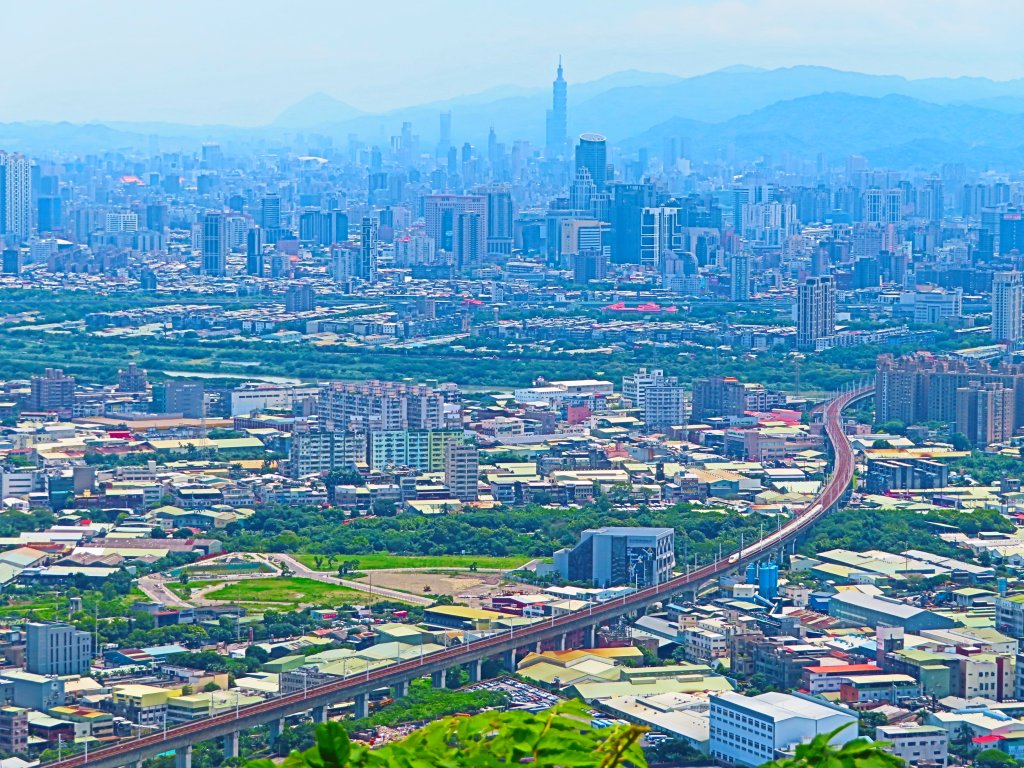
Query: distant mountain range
745	111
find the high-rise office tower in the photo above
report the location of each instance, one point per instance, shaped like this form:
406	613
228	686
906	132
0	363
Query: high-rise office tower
469	235
660	234
49	212
815	311
1007	307
582	192
368	249
499	222
11	258
254	252
215	245
176	396
1011	232
441	213
628	203
557	128
739	272
15	196
446	135
270	211
592	154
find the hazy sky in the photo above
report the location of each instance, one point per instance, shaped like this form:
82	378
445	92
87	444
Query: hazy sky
243	61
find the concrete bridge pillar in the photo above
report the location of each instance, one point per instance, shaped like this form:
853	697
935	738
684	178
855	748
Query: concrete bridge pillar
590	636
437	679
231	745
398	690
475	670
508	660
183	757
362	708
275	727
319	714
561	642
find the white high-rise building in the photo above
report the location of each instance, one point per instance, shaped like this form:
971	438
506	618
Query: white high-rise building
739	286
122	222
1007	307
15	195
660	233
815	312
660	398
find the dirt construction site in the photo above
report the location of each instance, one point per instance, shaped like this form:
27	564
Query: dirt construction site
472	588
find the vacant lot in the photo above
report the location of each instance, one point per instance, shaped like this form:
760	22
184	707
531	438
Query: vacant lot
475	589
380	560
287	591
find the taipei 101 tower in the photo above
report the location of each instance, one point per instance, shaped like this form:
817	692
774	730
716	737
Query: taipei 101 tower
557	122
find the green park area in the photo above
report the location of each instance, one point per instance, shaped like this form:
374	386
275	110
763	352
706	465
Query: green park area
287	590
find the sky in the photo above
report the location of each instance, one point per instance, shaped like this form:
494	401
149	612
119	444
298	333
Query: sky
241	62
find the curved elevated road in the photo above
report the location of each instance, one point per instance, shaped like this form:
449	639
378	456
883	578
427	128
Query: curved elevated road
178	738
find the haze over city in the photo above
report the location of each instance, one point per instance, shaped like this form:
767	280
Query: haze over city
472	384
242	63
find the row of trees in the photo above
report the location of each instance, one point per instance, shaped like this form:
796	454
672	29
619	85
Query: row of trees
531	531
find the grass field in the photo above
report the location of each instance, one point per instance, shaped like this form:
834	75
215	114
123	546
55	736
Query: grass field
290	591
379	560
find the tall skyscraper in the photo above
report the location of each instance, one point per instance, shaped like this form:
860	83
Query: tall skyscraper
15	196
592	154
557	121
628	203
470	233
254	252
441	214
1007	307
445	142
215	245
270	211
499	222
368	249
815	311
739	273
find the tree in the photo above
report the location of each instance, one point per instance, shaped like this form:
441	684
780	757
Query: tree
672	751
869	720
257	653
960	442
560	736
859	753
893	427
994	758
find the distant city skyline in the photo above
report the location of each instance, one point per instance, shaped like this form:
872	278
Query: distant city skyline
243	63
